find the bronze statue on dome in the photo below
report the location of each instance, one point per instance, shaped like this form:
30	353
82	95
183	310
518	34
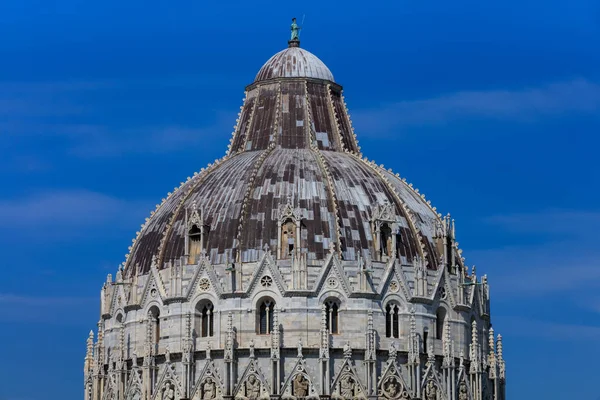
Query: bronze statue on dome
295	30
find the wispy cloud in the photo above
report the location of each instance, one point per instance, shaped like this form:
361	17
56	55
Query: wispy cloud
563	259
62	213
79	120
530	328
528	104
45	301
44	309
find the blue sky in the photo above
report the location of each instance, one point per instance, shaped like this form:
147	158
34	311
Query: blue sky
492	109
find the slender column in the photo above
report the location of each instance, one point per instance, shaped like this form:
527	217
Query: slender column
324	354
228	356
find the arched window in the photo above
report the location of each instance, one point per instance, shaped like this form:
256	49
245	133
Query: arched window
265	316
288	239
119	318
204	319
198	240
154	315
392	323
440	319
385	240
332	315
195	235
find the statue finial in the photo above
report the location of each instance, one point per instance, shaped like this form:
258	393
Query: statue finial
295	38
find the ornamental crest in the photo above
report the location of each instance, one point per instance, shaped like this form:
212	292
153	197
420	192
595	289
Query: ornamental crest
384	212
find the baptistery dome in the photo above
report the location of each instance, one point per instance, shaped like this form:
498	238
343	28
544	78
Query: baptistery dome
294	62
295	268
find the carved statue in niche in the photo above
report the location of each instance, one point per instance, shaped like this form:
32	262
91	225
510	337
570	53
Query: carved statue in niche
347	350
288	233
392	388
209	389
347	386
300	386
136	395
462	391
168	392
431	390
252	387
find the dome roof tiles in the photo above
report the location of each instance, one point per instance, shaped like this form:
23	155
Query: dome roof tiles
294	62
293	145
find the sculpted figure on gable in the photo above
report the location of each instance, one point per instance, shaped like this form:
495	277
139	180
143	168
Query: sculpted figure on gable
462	391
431	390
209	389
393	389
252	388
300	386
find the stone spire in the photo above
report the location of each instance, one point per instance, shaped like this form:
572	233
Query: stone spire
89	354
324	351
229	339
100	347
501	363
275	339
430	355
474	356
492	355
413	345
370	339
188	342
446	345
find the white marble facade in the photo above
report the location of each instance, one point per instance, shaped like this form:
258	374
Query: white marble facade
153	344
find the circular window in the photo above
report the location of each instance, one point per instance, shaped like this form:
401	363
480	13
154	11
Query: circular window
394	286
266	281
204	284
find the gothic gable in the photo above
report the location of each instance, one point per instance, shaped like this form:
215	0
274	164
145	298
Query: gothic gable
204	272
346	384
299	383
332	276
432	384
252	384
267	266
395	274
209	384
154	288
391	384
168	381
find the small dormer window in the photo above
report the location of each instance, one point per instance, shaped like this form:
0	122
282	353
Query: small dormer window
289	231
384	225
195	240
385	240
197	235
288	239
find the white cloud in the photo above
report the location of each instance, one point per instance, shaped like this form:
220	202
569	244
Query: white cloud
529	104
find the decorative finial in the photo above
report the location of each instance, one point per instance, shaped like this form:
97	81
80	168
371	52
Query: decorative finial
295	38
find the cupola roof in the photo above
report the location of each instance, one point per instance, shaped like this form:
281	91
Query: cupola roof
294	62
